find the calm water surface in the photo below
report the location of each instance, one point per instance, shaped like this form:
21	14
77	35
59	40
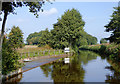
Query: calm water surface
86	66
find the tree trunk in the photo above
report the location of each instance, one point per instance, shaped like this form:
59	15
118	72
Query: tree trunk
2	32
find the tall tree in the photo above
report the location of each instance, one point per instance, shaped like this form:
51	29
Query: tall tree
114	26
10	58
68	29
16	37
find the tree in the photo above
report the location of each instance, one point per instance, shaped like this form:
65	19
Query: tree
69	32
103	40
45	38
39	38
114	26
67	29
9	7
16	37
34	38
9	58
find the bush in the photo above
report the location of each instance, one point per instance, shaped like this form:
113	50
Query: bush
9	59
102	49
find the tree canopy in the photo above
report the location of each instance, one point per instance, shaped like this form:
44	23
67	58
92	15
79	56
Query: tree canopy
103	40
9	7
15	37
67	32
10	56
39	38
114	26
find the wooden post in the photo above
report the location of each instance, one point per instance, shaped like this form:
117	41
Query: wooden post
25	55
59	52
38	53
34	53
21	55
49	52
54	52
43	52
28	55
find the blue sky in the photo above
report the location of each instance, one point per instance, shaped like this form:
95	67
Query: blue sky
95	14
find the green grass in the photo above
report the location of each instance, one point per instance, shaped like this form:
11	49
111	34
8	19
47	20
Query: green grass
34	51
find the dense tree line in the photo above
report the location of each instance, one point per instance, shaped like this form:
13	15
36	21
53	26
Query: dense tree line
39	38
67	32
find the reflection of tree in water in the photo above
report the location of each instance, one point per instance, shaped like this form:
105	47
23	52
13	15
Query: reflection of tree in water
115	76
46	69
86	56
73	72
61	72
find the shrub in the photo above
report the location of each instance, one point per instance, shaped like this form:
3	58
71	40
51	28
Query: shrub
9	59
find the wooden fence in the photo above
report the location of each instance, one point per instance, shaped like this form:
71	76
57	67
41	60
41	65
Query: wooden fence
41	53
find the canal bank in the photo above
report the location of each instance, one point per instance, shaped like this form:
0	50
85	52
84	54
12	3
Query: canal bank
36	62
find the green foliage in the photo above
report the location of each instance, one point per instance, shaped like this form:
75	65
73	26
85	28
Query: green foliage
34	38
103	41
16	37
112	51
102	48
9	58
41	38
69	32
34	7
45	38
67	29
114	26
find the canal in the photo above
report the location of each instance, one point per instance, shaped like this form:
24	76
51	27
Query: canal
86	66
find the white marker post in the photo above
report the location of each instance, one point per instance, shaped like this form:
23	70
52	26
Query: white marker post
67	60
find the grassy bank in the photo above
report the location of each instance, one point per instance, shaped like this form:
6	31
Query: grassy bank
33	48
111	51
34	51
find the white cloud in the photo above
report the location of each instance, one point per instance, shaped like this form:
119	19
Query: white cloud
50	12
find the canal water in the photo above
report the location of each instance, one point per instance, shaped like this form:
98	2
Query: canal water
85	66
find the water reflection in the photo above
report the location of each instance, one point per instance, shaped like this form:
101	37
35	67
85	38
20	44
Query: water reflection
72	72
86	56
85	66
115	76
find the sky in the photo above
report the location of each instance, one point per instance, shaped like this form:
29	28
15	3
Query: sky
95	14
